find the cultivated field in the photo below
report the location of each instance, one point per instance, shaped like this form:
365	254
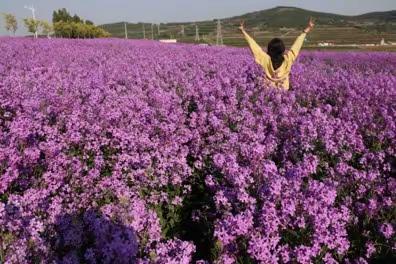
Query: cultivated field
232	37
116	151
342	32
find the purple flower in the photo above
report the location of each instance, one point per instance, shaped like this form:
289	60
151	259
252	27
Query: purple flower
111	151
387	230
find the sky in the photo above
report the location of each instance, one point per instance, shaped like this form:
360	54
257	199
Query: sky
156	11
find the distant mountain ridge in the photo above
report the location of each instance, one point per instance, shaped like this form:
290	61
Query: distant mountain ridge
270	20
386	16
288	16
294	16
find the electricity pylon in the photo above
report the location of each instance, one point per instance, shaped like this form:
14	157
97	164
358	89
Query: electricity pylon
219	38
196	33
31	8
126	30
182	32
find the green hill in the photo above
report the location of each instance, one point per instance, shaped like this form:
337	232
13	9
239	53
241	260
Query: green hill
278	21
292	16
389	17
286	17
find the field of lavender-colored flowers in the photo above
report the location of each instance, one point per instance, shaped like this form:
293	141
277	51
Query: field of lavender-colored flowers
117	151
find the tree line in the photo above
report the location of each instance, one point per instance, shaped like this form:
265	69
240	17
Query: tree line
63	25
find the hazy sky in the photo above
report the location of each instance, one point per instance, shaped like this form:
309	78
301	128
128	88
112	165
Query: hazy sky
105	11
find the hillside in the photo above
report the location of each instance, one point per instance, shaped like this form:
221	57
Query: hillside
292	16
278	21
286	17
389	16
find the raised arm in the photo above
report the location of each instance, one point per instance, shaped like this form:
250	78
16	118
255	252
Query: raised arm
259	55
296	47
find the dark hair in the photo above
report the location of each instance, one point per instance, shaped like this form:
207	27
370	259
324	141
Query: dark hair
275	50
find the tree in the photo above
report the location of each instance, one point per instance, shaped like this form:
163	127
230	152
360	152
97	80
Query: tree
61	15
75	29
46	28
83	30
76	19
32	25
78	30
11	23
74	26
89	22
68	30
58	28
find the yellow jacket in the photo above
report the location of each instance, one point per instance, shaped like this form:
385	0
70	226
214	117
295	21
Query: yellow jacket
278	78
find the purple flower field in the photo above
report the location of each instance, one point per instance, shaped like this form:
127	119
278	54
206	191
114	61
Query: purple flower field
116	151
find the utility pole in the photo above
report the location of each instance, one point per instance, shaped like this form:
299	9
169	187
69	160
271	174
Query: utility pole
219	38
31	8
144	32
196	33
152	31
158	28
126	30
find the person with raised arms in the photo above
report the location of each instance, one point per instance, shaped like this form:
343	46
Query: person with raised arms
277	63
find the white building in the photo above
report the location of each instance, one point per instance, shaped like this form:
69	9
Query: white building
168	40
